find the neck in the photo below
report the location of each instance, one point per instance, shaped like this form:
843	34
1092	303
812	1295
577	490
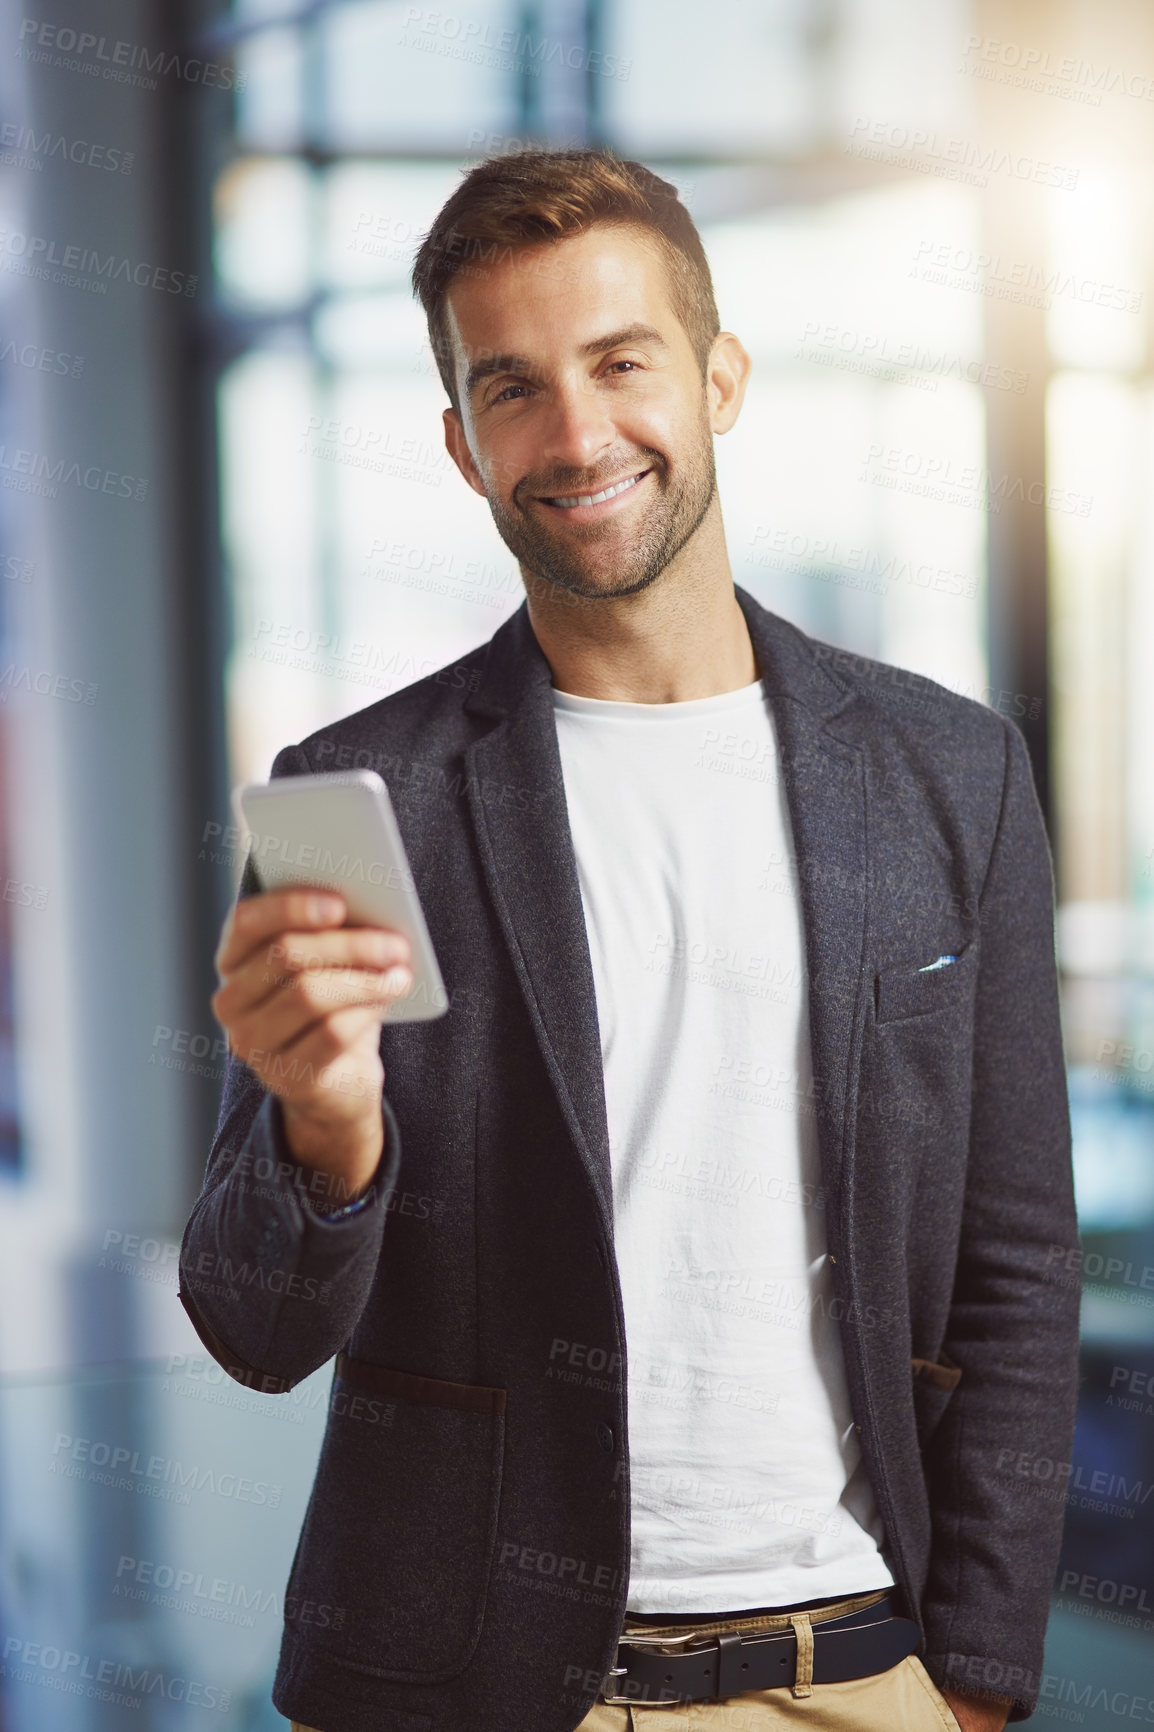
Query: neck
683	637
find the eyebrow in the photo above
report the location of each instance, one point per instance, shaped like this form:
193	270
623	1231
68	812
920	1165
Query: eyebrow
487	365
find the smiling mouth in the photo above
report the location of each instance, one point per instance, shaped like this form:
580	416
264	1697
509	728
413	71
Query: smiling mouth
570	501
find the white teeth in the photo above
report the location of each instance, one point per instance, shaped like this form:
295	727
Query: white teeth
595	498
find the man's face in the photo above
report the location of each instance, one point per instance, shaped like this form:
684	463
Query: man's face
575	376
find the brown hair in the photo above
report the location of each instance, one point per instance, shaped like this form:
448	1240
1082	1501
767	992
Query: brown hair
516	201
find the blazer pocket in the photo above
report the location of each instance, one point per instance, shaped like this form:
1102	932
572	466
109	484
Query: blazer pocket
942	1373
399	1534
934	1384
918	991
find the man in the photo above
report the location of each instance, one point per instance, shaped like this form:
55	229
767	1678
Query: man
752	1062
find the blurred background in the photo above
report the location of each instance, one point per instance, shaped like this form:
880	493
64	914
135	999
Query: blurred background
226	517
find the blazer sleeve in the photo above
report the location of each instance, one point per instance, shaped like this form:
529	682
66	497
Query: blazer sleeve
1013	1325
273	1286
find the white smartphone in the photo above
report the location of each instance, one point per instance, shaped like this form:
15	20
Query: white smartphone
339	830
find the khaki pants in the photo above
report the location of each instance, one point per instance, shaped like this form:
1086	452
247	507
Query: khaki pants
904	1699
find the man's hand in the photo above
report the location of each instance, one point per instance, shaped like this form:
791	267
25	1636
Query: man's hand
978	1713
301	999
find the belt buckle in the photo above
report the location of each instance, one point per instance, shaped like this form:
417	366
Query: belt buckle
640	1640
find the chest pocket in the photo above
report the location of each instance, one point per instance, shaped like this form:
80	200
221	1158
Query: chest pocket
919	990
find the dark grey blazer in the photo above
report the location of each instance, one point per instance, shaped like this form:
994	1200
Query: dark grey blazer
464	1559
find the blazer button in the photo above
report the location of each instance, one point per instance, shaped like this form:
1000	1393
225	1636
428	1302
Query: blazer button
604	1435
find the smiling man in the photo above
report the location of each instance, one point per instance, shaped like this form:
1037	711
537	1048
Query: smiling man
698	1280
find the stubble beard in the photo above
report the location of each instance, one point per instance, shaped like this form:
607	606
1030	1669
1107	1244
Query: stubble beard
671	521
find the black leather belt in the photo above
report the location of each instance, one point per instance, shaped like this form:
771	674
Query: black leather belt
724	1664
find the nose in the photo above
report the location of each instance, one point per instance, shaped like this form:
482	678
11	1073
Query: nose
578	427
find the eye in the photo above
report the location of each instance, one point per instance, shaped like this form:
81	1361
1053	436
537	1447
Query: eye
502	395
636	365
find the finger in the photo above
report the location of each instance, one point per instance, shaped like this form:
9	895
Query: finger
346	949
300	1001
349	1037
349	1040
255	919
343	946
291	1067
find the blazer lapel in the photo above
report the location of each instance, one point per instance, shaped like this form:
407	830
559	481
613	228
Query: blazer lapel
825	792
516	795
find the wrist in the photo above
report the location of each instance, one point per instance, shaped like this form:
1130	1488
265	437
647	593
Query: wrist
342	1160
977	1711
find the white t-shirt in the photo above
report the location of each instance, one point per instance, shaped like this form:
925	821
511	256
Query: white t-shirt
746	1478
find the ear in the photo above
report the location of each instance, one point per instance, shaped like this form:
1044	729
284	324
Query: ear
725	380
458	448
